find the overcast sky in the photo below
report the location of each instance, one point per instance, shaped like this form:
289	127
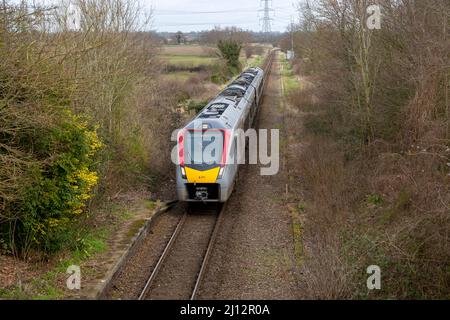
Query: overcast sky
196	15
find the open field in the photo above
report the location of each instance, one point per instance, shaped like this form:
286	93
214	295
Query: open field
189	56
191	67
179	76
189	60
182	62
188	50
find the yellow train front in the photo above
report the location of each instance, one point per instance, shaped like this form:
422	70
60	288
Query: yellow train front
207	147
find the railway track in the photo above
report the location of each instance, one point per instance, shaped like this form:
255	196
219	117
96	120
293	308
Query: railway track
178	272
175	275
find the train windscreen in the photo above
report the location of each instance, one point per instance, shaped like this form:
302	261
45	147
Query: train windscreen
204	148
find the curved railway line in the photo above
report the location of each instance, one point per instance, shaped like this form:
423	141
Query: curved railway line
178	272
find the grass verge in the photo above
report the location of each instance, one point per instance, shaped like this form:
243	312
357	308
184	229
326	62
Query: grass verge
48	279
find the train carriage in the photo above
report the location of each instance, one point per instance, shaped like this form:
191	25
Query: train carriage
207	146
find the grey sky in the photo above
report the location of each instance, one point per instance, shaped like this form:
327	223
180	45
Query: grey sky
196	15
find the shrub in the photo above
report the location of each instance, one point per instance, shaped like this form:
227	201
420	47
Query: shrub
196	106
48	164
62	178
231	51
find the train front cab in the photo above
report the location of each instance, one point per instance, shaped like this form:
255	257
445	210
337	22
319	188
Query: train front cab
204	182
218	191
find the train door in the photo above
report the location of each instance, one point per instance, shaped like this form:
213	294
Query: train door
233	166
257	95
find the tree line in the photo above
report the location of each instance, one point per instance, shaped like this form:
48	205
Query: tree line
81	116
378	121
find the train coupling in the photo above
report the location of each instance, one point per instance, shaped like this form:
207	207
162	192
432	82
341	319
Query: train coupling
201	194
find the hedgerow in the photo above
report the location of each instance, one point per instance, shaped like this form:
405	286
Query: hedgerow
60	85
57	183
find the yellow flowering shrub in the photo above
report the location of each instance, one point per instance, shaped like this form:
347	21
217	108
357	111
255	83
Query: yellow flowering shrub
63	185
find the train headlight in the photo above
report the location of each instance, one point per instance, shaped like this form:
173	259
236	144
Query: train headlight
183	172
221	172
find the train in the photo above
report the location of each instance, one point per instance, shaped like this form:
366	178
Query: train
204	175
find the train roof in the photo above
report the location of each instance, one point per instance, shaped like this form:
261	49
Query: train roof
225	110
220	113
244	81
255	70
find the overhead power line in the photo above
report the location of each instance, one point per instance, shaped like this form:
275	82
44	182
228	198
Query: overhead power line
266	19
180	12
206	24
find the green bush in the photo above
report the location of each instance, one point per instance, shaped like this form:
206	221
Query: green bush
61	181
196	105
231	51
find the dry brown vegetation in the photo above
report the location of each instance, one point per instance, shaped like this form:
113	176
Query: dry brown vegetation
63	83
374	168
228	33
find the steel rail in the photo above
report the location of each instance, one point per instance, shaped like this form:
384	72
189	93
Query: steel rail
207	255
167	250
163	257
